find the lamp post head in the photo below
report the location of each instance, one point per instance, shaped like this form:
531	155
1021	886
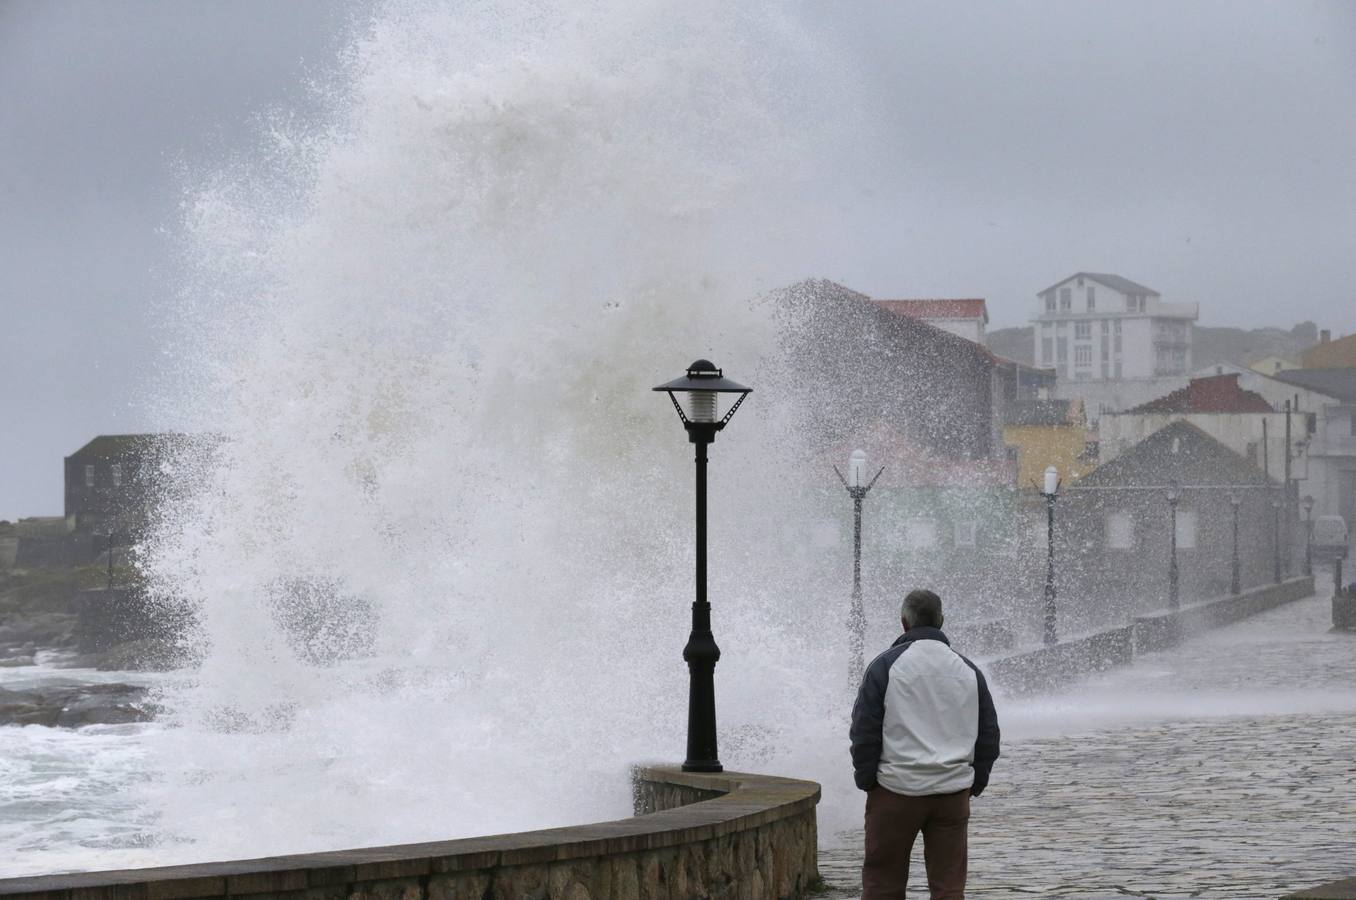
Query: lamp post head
1234	499
1051	481
857	469
702	383
1308	504
1174	493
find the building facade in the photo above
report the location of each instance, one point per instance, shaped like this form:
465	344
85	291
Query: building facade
1099	327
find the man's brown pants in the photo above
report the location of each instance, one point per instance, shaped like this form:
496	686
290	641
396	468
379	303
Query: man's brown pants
893	822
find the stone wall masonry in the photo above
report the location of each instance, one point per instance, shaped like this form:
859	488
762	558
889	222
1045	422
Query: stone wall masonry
1047	668
728	835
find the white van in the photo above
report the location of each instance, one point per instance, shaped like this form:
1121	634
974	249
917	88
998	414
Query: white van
1329	538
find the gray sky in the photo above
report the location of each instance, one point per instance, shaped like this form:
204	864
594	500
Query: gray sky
1203	149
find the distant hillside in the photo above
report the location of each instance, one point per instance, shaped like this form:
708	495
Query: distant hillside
1210	346
1012	343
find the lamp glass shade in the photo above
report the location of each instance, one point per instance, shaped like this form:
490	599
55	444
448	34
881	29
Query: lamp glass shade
701	406
1308	503
1051	480
1174	493
857	468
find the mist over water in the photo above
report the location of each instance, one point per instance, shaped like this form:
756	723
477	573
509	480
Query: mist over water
442	561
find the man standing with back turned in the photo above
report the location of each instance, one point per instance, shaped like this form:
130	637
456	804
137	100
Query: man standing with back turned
924	737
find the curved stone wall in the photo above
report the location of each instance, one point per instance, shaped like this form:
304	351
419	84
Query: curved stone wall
695	835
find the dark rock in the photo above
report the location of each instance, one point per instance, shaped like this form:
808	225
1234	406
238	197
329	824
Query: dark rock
75	705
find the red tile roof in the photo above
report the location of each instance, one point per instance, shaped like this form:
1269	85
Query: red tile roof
970	308
1216	394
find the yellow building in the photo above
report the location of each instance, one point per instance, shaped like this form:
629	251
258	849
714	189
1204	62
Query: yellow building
1048	433
1329	354
1270	365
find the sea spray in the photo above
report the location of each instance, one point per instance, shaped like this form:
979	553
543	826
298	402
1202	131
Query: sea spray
441	559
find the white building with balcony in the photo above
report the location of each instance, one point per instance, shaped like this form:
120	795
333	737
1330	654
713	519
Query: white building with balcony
1097	327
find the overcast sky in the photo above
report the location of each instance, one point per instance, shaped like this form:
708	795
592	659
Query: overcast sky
1203	149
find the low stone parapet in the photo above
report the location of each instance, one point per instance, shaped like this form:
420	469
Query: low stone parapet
701	835
1166	628
1046	668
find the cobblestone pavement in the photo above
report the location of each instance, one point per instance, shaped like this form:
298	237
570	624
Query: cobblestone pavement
1223	768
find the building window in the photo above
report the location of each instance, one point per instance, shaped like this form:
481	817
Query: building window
1062	349
117	474
89	476
1092	298
1082	355
1083	330
1186	529
1065	299
1047	350
921	533
1050	302
965	534
1106	326
1106	370
1120	531
1117	341
1118	368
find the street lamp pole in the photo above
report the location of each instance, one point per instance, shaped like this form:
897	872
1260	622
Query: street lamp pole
1276	540
1235	587
857	490
702	383
1174	495
1050	493
1308	504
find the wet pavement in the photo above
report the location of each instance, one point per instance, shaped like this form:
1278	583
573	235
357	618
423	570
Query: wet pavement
1222	768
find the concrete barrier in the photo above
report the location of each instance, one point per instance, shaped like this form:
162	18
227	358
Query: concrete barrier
1047	668
698	835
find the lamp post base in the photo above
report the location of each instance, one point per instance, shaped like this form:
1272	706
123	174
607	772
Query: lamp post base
703	765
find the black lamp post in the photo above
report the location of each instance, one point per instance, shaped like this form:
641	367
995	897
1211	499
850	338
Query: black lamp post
1234	583
1174	495
1050	493
1308	504
856	613
702	383
1276	540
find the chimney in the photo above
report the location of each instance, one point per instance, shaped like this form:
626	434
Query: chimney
1324	336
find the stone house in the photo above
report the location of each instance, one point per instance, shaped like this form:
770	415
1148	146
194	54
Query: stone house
1113	530
114	481
965	318
851	361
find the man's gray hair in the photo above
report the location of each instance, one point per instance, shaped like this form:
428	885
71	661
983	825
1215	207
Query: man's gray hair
922	608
